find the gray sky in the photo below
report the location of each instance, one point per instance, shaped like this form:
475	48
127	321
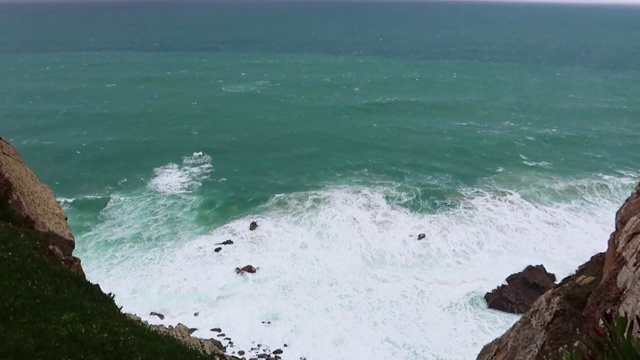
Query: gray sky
608	2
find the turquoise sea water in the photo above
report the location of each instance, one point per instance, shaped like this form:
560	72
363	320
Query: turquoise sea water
508	134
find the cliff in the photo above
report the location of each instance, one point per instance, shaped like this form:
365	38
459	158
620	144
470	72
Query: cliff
49	312
608	281
35	207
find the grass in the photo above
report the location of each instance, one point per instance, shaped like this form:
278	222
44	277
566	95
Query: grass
48	312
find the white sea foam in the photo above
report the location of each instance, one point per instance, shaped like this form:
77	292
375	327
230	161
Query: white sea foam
175	179
341	273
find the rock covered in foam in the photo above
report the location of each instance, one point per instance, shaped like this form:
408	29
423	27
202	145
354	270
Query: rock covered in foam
36	206
608	281
522	289
246	269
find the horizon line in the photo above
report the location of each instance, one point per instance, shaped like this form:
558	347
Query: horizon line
550	2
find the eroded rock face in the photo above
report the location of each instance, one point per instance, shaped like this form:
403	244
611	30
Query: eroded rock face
608	281
36	206
522	290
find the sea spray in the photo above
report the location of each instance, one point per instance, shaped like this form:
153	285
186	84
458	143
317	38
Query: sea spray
341	272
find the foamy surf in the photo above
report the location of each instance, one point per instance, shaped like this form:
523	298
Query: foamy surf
174	179
341	272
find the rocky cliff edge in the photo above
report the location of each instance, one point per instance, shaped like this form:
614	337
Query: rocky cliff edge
35	206
608	281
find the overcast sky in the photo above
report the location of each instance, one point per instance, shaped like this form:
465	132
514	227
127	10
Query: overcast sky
611	2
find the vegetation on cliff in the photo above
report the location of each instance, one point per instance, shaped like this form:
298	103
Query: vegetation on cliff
614	339
49	312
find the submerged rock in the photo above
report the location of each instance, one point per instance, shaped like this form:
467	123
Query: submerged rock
522	290
246	269
253	225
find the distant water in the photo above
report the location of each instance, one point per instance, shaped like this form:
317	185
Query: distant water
508	134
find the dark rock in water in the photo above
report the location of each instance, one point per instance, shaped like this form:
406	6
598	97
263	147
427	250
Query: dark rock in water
253	225
241	352
285	345
226	242
217	249
222	335
263	356
421	236
153	313
521	291
246	269
227	338
267	322
216	330
196	314
277	351
192	330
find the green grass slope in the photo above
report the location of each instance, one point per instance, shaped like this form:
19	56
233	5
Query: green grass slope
48	312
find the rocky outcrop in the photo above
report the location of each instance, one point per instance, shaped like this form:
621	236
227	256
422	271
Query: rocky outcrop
183	333
522	290
35	207
608	281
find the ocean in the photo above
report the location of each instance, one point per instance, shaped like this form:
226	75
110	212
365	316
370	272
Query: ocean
506	133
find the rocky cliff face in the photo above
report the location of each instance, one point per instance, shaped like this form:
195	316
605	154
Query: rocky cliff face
35	206
609	280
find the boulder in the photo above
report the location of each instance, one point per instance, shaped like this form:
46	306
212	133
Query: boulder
608	281
153	313
522	290
246	269
253	225
226	242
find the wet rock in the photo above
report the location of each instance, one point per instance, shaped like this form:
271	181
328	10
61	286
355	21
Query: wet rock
263	356
226	242
253	225
277	351
522	290
285	345
196	314
267	322
421	236
153	313
217	249
241	352
192	330
246	269
227	338
222	335
216	330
